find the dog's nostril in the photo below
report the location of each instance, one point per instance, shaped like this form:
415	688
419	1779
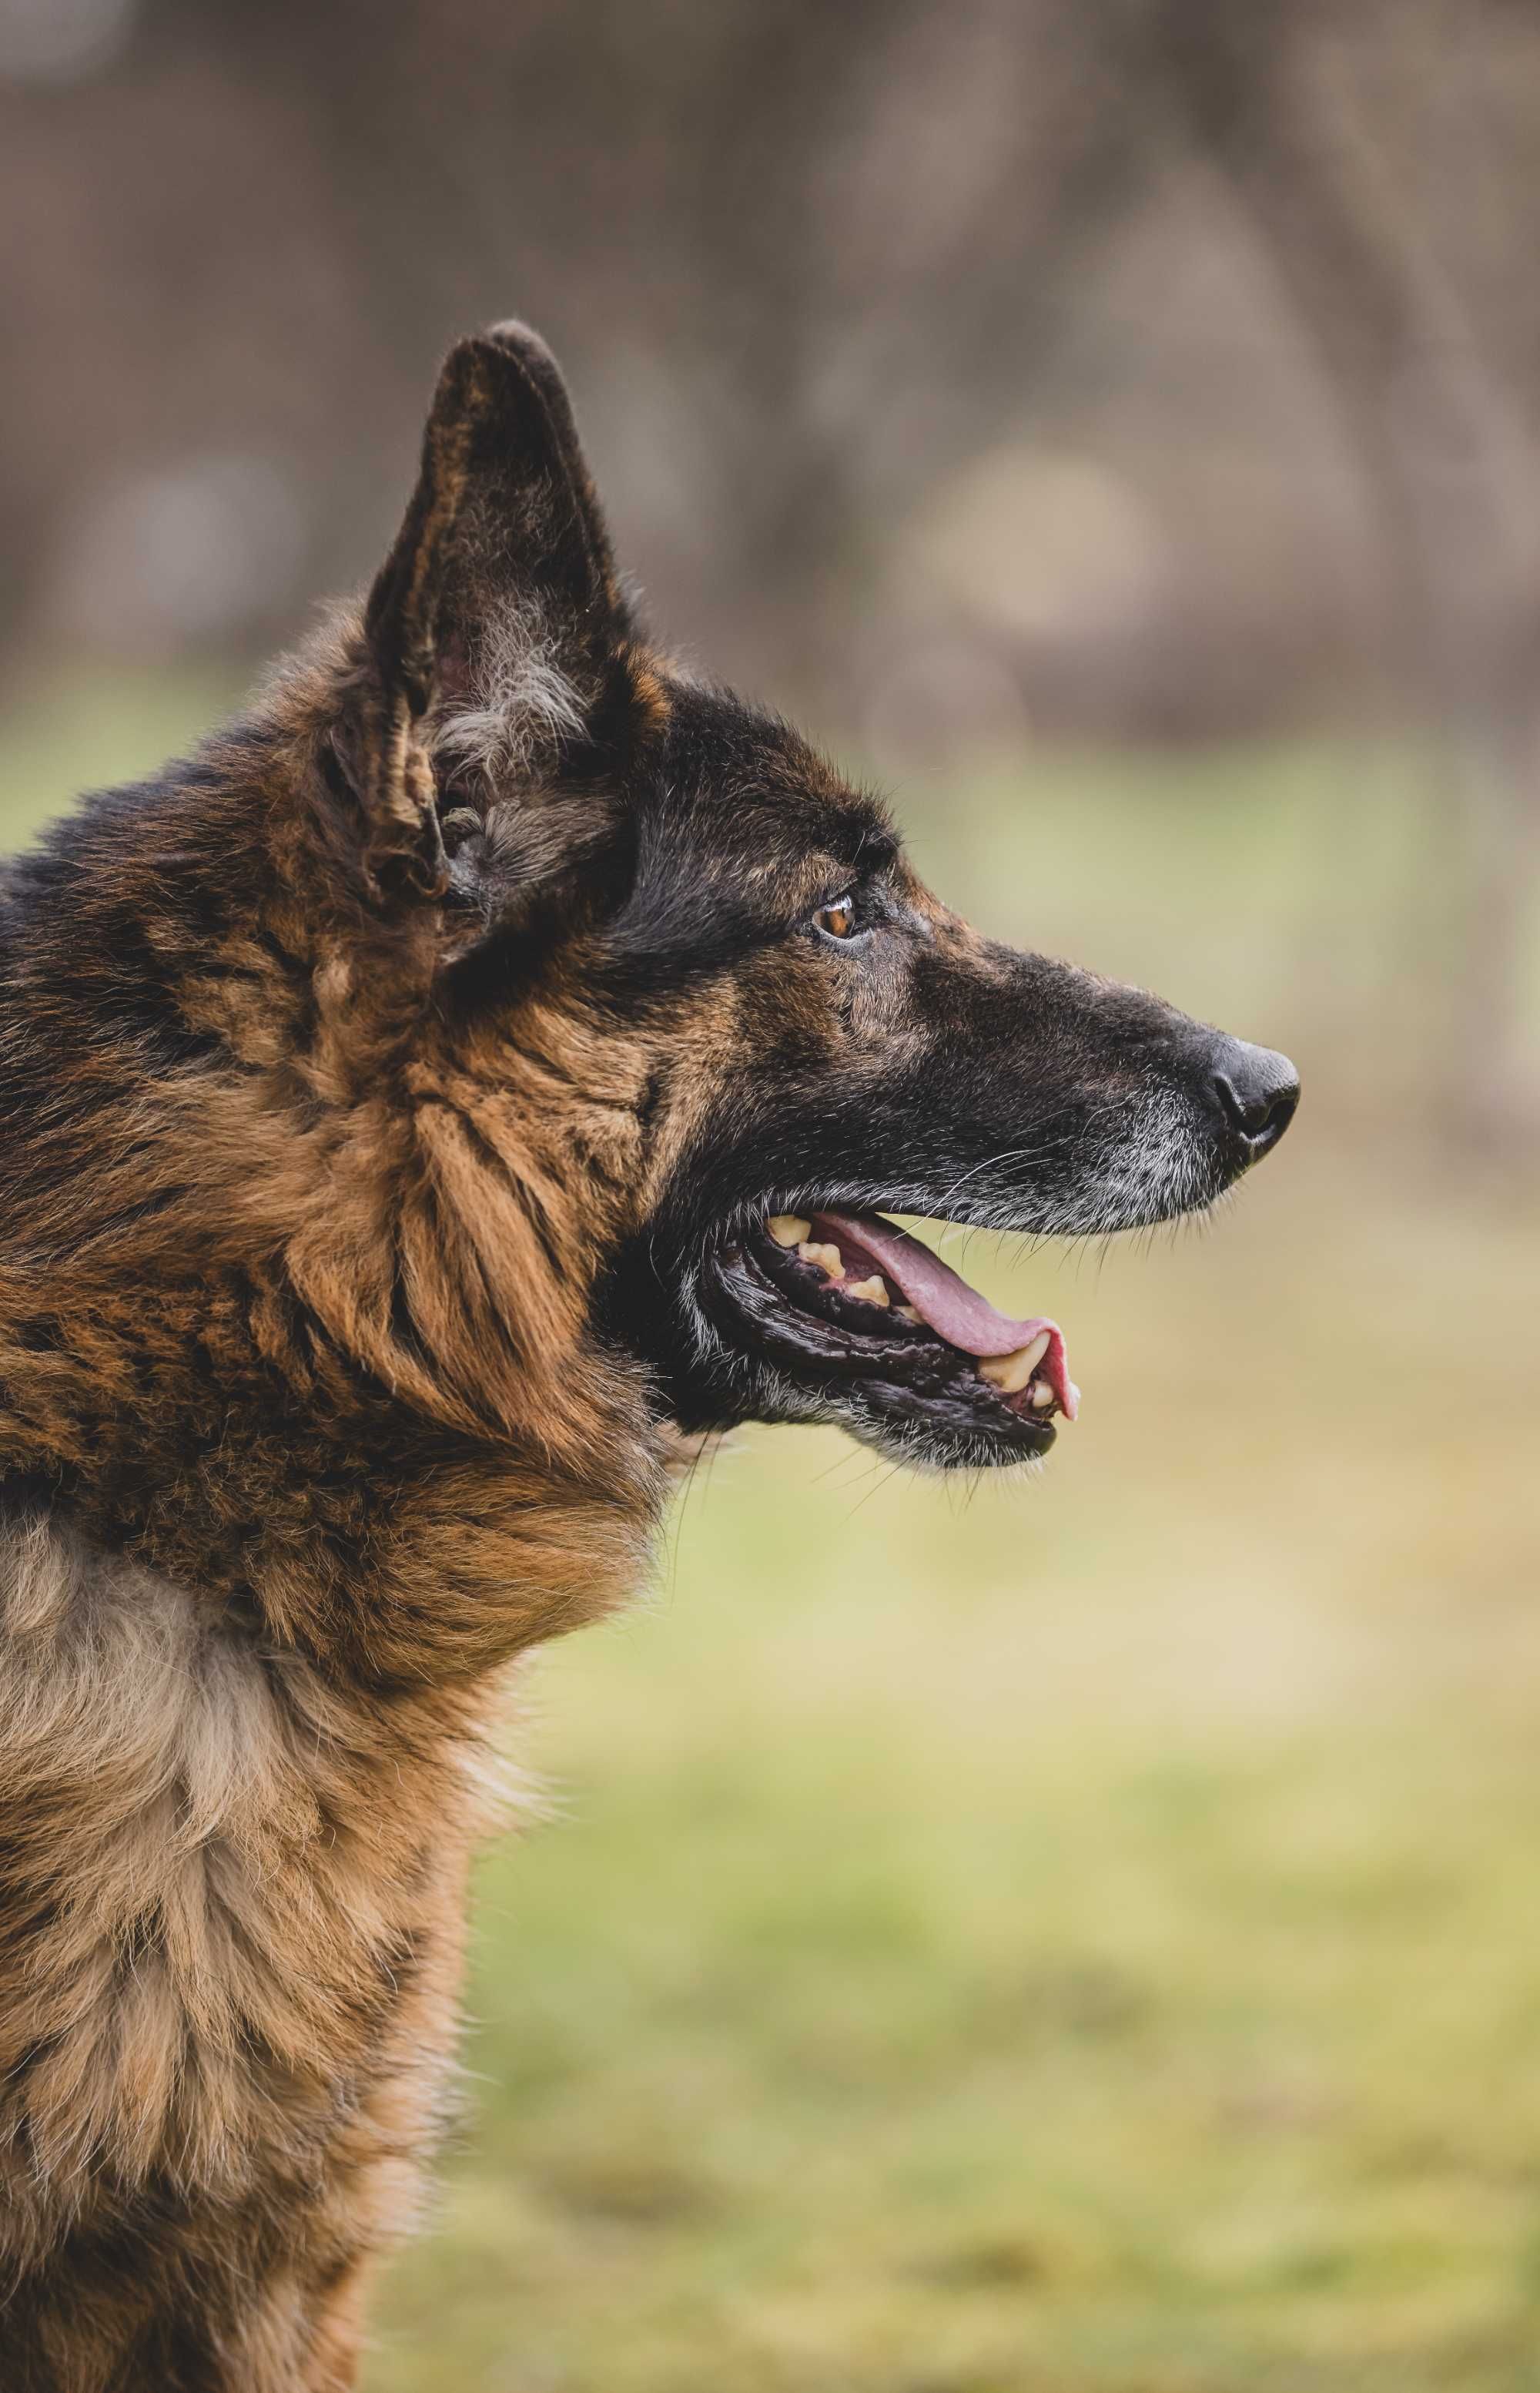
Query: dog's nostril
1258	1092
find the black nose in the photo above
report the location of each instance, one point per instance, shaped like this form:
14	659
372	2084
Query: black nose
1257	1091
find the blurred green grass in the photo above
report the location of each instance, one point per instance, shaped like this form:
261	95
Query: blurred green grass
1078	1936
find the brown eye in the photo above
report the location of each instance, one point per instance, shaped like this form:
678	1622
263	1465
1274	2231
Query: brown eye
838	920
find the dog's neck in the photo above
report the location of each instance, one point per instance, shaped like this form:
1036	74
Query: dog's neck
295	1307
386	1556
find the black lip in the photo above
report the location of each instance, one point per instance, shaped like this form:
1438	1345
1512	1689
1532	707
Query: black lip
760	1297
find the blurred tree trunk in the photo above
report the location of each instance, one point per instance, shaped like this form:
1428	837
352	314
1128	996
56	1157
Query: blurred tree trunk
1445	453
1451	463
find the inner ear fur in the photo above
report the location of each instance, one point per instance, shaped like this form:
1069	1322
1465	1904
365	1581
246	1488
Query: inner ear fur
499	596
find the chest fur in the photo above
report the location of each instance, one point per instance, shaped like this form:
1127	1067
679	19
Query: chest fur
229	1894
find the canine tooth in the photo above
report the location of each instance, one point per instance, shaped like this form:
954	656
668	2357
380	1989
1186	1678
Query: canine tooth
906	1313
1010	1373
788	1229
1041	1397
823	1258
870	1291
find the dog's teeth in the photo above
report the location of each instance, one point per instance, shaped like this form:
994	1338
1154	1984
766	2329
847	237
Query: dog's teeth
906	1313
870	1291
824	1259
788	1229
1041	1397
1010	1373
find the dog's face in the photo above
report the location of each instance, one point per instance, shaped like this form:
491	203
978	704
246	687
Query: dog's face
866	1053
764	1033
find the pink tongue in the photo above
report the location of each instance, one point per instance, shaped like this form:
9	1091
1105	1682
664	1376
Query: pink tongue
954	1310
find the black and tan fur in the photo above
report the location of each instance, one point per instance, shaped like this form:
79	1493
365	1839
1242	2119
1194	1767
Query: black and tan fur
381	1087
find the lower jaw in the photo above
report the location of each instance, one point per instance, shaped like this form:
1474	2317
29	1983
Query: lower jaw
952	1420
931	1433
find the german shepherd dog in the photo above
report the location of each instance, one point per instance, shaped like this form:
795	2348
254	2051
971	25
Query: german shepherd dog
480	1068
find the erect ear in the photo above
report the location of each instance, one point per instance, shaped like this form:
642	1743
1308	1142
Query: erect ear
500	592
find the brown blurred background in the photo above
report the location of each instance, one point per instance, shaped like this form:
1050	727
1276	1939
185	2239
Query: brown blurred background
1078	1942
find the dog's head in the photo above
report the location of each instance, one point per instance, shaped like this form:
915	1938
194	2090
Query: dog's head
695	1018
502	1031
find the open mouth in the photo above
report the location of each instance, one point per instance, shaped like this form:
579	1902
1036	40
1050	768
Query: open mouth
853	1307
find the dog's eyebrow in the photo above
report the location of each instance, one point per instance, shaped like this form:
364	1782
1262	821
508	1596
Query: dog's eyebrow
868	843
